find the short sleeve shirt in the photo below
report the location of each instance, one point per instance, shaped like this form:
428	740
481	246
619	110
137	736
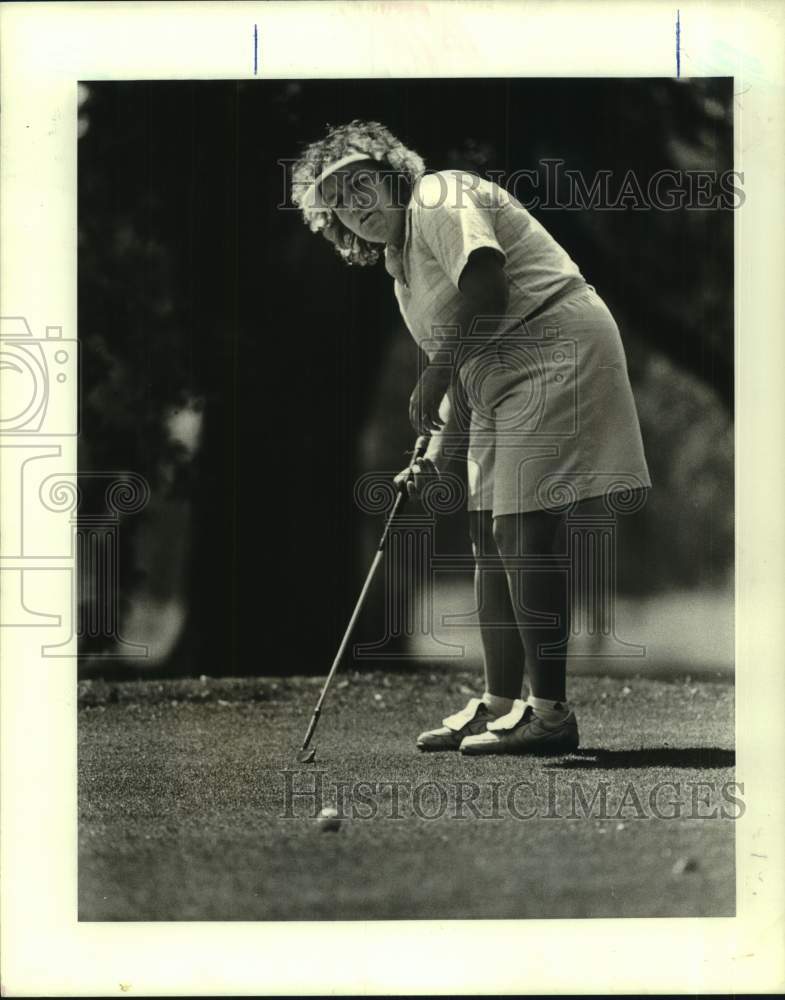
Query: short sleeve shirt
450	215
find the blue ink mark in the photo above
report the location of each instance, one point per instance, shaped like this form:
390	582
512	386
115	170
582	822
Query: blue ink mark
255	49
678	44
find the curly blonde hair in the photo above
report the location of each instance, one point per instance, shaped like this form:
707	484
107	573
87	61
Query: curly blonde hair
358	136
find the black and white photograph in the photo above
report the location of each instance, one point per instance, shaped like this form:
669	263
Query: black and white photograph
426	388
390	452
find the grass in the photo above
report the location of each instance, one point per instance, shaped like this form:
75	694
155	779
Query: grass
183	804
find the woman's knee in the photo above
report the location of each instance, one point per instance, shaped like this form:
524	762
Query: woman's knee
481	532
486	554
505	534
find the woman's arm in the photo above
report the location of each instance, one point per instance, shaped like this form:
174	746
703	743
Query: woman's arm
444	440
484	291
483	283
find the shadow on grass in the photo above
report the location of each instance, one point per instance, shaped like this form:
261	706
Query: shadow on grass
697	758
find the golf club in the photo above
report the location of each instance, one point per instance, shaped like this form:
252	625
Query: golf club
306	756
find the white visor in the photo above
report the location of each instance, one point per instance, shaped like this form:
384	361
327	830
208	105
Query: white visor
310	198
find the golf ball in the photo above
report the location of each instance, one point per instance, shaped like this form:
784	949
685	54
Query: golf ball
329	820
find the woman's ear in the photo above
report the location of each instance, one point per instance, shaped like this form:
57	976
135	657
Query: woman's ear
333	232
339	236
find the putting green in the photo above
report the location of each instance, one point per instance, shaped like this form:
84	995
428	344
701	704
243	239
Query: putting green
189	811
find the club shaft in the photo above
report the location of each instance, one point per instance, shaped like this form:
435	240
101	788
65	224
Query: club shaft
342	648
419	450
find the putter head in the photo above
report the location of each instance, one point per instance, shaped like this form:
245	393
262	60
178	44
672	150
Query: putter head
306	756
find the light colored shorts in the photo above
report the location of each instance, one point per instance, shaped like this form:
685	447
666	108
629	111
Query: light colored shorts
553	418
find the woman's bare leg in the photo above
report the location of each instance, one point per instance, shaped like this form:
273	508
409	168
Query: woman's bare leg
539	596
501	639
540	592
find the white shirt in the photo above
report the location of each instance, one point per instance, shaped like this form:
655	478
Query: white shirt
451	214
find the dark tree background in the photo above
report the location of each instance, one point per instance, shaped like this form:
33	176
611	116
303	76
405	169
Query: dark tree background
201	299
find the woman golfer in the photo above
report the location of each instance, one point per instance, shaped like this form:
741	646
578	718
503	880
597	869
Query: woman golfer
525	355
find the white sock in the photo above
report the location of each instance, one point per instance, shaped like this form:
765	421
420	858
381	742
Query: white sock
548	710
497	705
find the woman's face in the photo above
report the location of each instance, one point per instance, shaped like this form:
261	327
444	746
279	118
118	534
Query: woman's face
363	195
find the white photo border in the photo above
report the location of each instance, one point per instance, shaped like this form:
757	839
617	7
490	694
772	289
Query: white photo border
46	49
